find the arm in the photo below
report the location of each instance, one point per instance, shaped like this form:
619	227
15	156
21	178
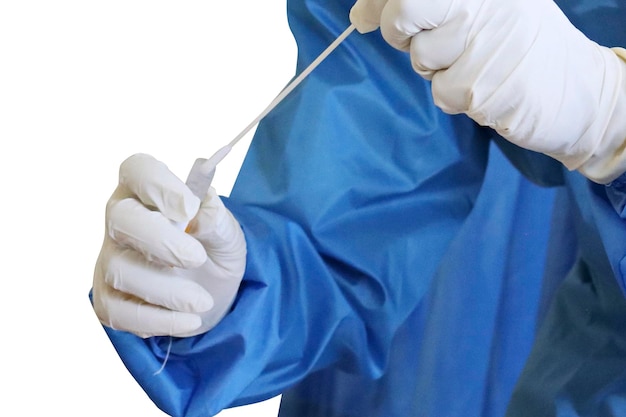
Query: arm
519	67
345	222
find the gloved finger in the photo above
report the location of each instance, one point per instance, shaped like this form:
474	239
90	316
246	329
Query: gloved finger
450	94
365	14
122	311
131	224
156	186
401	20
221	235
127	271
473	78
437	49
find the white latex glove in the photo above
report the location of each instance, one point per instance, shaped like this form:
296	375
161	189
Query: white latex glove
152	278
518	66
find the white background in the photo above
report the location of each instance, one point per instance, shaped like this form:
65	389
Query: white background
83	85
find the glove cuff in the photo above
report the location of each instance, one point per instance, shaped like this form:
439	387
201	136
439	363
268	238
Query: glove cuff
608	160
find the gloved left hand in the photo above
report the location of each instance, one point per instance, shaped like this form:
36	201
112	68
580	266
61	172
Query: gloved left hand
154	279
518	66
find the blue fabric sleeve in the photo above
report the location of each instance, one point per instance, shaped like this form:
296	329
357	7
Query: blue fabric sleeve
348	201
364	206
576	367
616	193
537	167
601	207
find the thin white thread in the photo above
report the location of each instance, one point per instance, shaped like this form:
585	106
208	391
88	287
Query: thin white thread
167	356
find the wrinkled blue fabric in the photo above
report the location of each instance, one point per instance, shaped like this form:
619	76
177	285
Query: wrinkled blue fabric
577	367
400	264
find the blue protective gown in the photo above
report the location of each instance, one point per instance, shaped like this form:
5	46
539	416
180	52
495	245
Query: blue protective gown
399	264
578	363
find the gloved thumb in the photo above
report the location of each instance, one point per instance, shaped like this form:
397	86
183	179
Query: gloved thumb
221	235
223	240
365	14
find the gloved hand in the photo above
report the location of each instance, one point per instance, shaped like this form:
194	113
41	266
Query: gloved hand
152	278
518	66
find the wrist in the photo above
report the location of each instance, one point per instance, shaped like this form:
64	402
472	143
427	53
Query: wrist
608	159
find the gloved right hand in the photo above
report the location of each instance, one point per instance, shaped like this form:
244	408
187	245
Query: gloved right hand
519	67
151	277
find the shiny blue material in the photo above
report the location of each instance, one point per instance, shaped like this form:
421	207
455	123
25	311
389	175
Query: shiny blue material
399	265
578	363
